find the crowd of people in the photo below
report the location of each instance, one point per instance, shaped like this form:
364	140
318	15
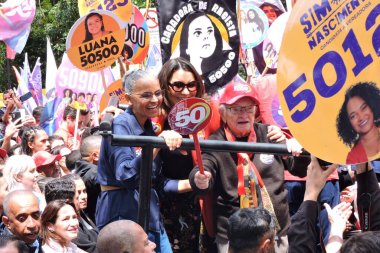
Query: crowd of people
64	195
75	192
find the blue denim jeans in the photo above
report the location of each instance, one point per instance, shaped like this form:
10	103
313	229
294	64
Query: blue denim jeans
296	192
161	240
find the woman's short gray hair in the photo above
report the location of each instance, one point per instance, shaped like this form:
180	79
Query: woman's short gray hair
131	77
16	165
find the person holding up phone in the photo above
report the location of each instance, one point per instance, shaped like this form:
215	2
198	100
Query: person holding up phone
11	102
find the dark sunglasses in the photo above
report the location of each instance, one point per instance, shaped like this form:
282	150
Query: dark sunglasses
180	86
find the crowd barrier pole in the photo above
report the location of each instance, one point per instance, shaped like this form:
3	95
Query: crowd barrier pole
147	143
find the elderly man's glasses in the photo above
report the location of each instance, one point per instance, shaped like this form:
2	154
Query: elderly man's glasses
180	86
241	109
149	95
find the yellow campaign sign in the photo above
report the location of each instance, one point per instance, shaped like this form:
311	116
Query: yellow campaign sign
95	41
115	88
328	78
122	8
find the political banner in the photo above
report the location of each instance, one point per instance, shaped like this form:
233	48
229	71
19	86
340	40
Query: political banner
254	25
95	41
205	33
15	17
80	88
35	83
136	45
328	79
121	8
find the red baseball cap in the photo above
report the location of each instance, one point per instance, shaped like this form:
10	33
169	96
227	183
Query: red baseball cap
235	91
3	153
42	158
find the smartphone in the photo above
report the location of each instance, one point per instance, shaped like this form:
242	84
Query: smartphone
19	114
25	97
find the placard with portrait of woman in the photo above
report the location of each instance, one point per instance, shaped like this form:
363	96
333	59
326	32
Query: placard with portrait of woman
328	79
254	25
205	33
95	41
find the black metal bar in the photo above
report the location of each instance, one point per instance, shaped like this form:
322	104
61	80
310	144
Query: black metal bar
145	185
149	142
206	145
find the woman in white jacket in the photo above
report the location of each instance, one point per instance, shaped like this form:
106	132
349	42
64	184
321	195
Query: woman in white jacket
59	226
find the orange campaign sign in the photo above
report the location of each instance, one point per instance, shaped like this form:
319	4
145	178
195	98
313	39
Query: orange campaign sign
122	8
328	79
136	45
115	88
95	41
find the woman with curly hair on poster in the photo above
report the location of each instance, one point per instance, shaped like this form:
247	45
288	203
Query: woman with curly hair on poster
358	122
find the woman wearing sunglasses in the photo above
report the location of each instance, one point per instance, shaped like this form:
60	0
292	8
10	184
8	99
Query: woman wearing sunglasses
179	79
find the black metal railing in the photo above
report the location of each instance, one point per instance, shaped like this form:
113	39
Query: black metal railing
147	143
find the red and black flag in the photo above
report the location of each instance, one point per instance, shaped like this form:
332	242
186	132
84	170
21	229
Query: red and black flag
203	32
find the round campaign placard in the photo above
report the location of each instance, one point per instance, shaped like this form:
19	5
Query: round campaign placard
253	25
328	79
189	116
272	43
115	88
122	8
204	33
95	41
136	45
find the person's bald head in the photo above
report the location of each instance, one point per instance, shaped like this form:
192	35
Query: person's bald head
124	236
22	215
90	148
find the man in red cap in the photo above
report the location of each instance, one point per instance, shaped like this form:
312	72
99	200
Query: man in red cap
243	180
46	163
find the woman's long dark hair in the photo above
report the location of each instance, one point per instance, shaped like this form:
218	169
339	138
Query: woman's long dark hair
371	95
167	72
49	216
255	20
28	134
88	34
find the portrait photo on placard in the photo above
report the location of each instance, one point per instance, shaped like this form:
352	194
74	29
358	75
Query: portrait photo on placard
328	79
95	41
205	33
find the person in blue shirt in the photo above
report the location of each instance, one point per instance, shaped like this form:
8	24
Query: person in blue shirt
118	167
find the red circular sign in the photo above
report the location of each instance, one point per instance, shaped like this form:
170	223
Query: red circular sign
189	116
